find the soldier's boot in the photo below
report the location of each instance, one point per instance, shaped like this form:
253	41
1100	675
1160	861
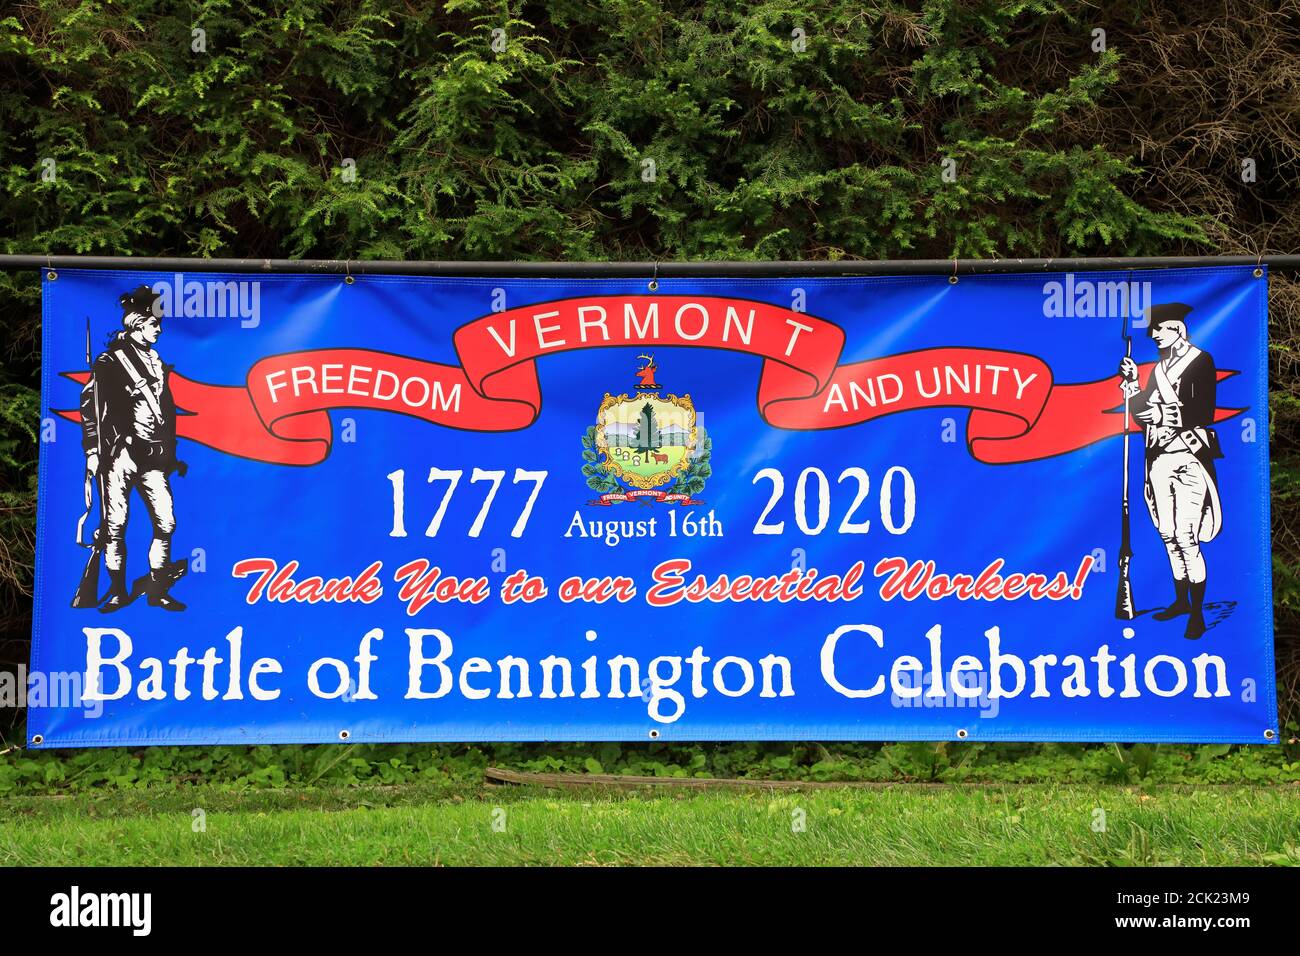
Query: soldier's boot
1181	605
1196	622
175	570
159	582
117	597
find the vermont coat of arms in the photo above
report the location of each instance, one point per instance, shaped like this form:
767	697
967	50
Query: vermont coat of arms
646	446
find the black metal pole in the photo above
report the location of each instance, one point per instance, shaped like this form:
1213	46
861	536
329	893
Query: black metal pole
646	270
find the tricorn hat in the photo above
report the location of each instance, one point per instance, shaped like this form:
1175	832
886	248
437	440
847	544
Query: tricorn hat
143	301
1167	312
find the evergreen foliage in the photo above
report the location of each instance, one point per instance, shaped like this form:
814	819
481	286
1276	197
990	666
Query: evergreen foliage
642	129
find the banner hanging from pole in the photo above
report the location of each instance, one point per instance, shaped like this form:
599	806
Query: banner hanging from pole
311	508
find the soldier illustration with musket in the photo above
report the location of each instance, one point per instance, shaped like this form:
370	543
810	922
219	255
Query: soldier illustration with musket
1176	409
128	420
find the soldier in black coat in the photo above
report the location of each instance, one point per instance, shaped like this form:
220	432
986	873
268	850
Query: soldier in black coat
128	421
1176	409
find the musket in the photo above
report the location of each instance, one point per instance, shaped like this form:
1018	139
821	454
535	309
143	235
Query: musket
1124	609
88	588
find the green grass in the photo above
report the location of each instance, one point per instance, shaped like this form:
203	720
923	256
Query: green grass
454	825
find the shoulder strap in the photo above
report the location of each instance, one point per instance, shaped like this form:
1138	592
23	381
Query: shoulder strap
1176	369
140	384
1164	387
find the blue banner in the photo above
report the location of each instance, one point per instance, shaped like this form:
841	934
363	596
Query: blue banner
310	508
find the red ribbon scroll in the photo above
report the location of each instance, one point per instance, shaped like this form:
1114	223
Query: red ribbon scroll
281	414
